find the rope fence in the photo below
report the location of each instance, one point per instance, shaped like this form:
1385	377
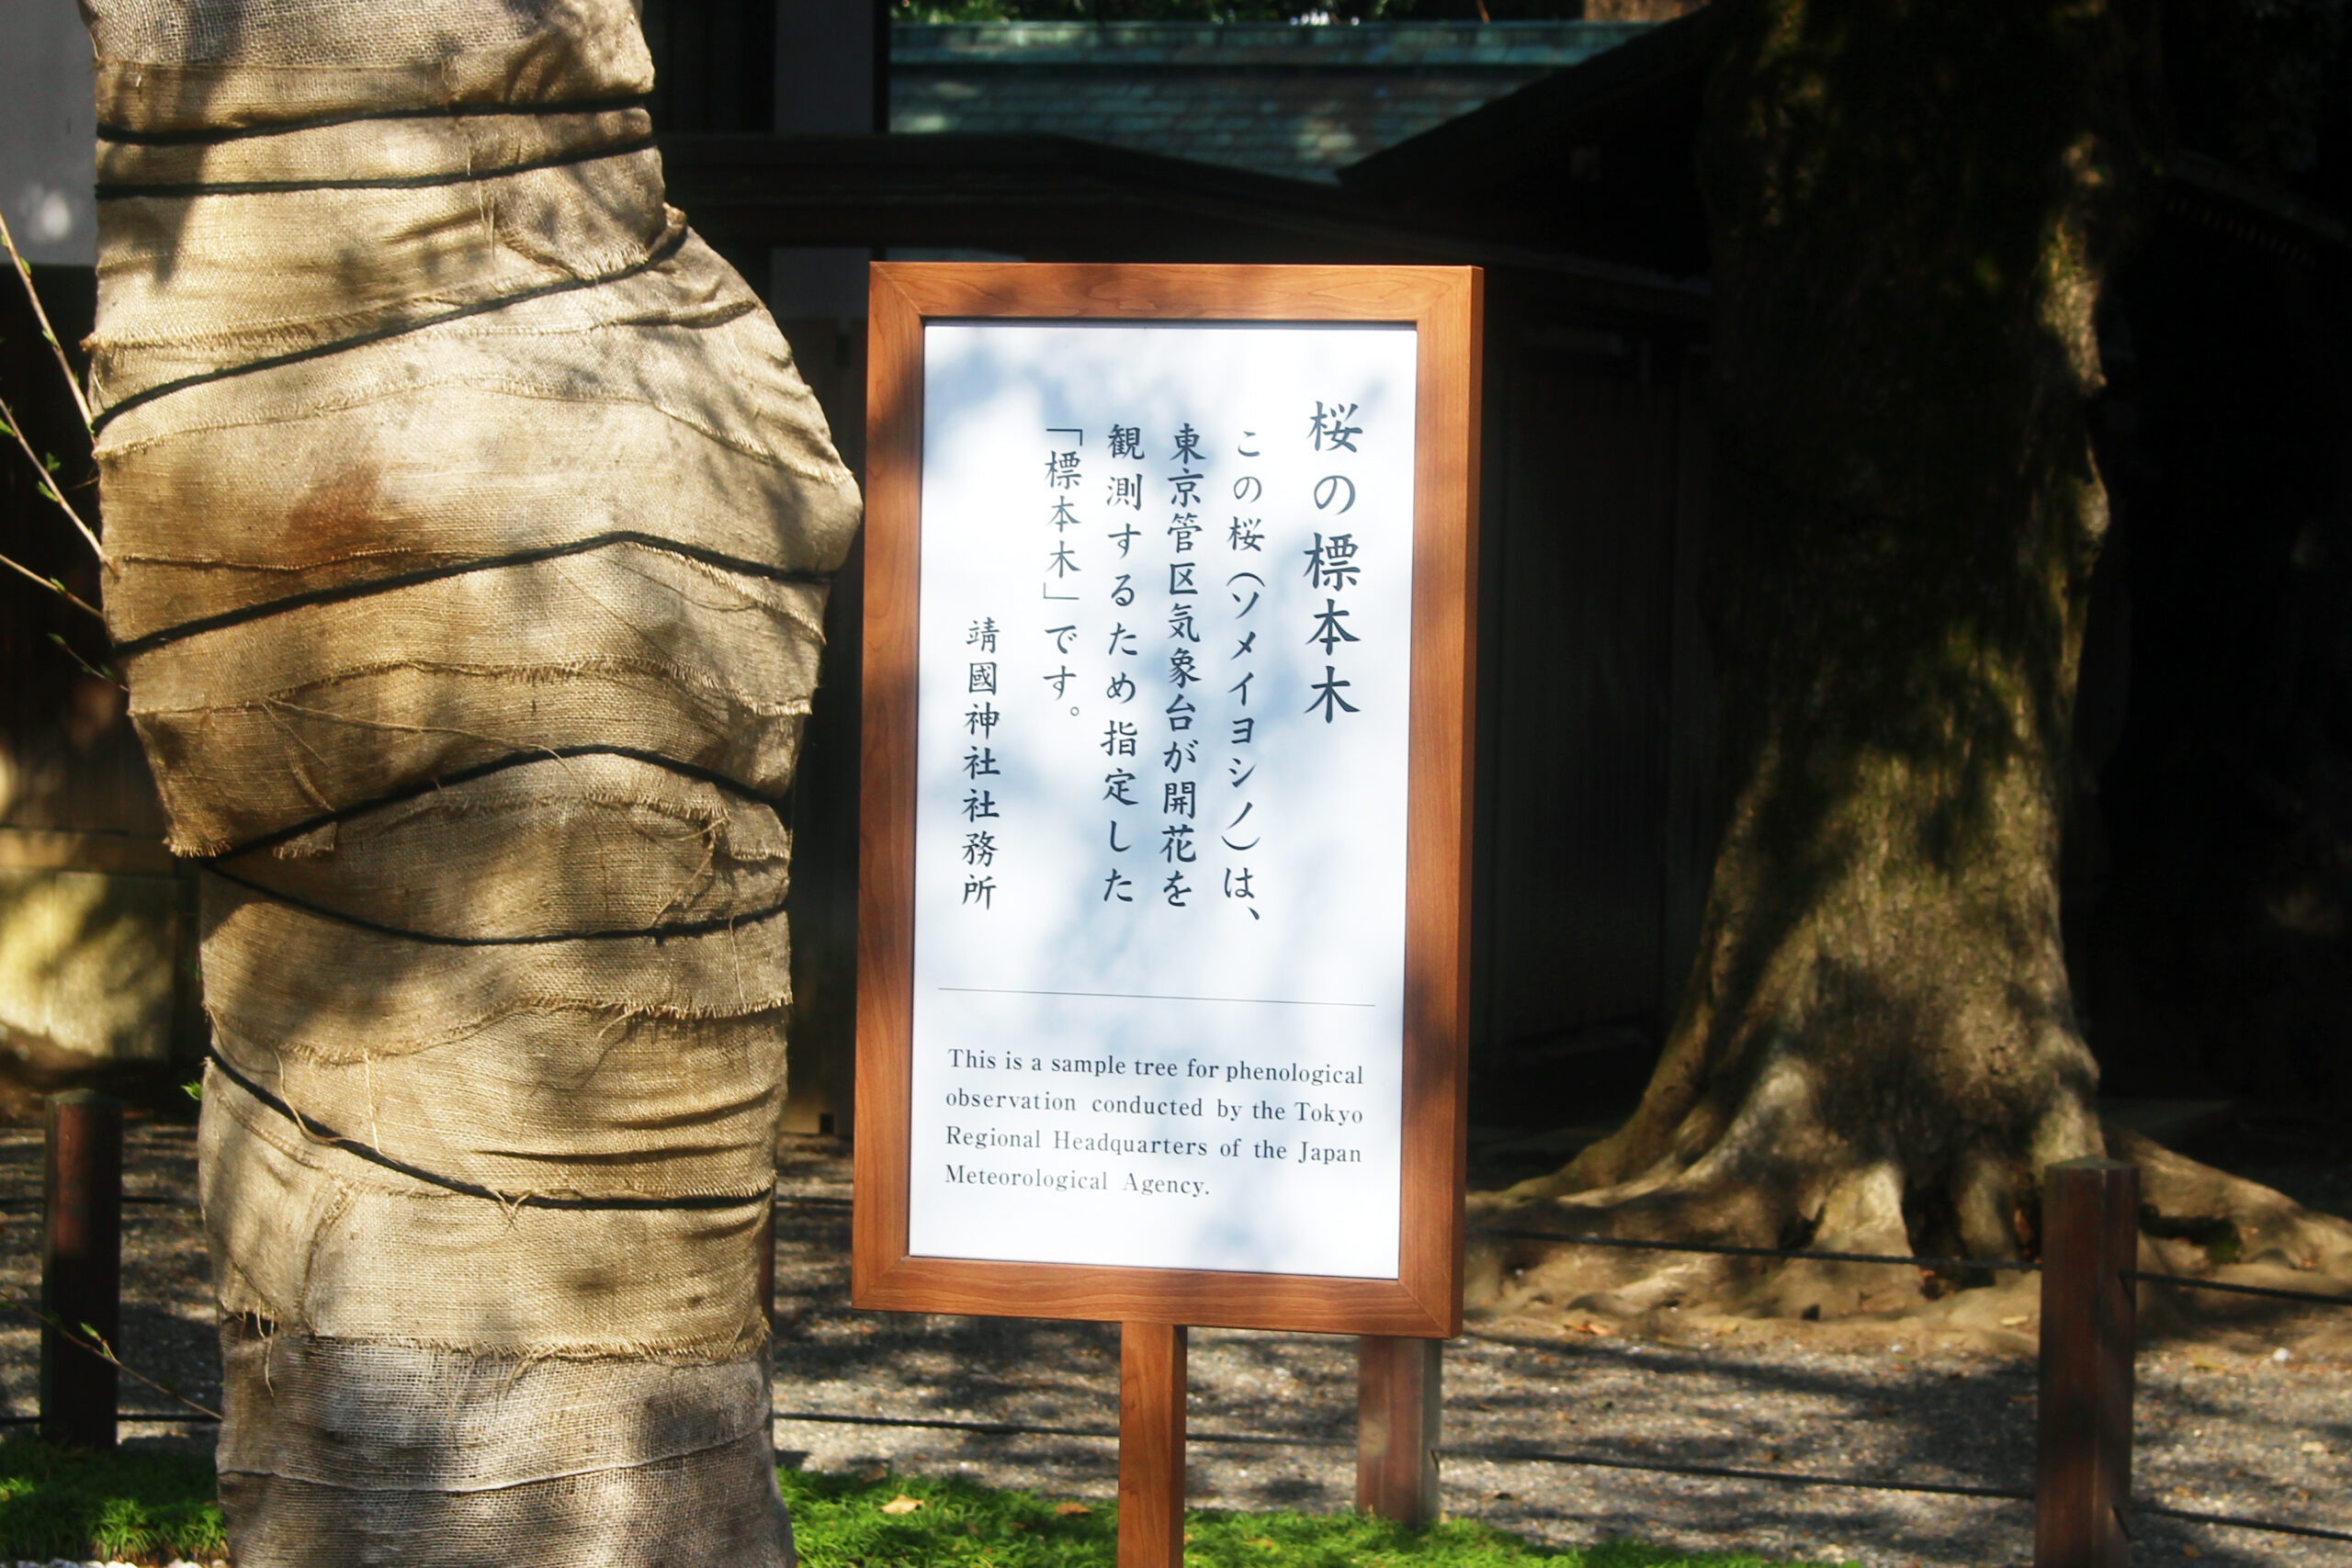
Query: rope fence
2310	1298
1503	1456
2076	1503
1541	1456
1929	1264
2082	1495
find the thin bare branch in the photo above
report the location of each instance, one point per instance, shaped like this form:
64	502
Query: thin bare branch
25	276
86	1338
97	672
54	587
97	1346
48	481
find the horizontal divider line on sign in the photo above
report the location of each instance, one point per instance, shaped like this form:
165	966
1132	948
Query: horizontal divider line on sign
1726	1250
656	934
1151	997
319	1132
781	805
343	593
169	190
668	247
206	136
2312	1297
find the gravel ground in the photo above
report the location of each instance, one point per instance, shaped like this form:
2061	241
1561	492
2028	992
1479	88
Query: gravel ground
2223	1427
167	1323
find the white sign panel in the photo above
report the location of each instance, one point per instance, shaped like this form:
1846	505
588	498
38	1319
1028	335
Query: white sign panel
1160	808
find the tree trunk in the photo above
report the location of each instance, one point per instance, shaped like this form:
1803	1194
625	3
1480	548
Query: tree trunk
1912	208
468	536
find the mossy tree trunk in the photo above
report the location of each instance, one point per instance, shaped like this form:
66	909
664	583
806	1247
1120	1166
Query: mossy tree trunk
1912	208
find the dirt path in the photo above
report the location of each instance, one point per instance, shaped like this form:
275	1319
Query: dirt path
2222	1427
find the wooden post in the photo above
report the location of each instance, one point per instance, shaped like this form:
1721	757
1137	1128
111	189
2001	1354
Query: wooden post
1399	1404
80	1267
2090	1238
1151	1444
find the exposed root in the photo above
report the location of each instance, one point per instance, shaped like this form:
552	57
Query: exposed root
1719	1200
2197	1222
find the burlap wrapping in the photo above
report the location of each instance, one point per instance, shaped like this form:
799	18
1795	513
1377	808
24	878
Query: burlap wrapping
469	531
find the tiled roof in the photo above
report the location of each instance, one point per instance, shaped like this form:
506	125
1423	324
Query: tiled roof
1300	101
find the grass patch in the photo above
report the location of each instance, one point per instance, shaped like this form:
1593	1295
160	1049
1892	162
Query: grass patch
135	1506
840	1522
150	1507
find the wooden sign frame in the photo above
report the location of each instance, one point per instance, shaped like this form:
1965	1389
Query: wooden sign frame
1445	305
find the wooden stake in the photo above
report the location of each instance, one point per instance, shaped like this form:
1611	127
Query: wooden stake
1151	1444
2090	1236
80	1267
1398	1403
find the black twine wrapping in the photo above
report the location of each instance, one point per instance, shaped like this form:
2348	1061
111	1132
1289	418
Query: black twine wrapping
781	805
173	190
657	933
343	593
661	252
206	136
320	1133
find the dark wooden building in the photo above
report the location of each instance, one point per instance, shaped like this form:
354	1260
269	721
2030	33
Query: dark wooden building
2207	887
1597	776
1598	788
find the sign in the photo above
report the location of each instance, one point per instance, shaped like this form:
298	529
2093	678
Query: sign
1168	683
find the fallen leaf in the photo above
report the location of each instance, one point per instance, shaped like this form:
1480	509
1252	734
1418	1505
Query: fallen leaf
1261	1540
2013	1322
2314	1448
2205	1364
902	1504
1070	1510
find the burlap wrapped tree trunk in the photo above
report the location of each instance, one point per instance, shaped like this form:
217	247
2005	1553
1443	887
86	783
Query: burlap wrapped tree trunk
468	531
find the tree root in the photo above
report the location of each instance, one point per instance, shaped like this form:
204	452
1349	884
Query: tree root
2197	1222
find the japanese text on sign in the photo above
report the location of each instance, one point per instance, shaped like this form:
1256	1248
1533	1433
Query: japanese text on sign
1166	617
